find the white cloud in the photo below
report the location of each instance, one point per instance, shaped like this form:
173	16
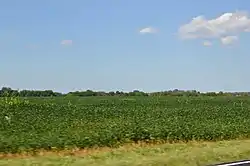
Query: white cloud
66	42
207	43
228	24
148	30
229	40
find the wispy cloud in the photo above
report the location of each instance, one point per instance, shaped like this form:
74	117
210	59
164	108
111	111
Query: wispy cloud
229	40
66	42
225	27
207	43
148	30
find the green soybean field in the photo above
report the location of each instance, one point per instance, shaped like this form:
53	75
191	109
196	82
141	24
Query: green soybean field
31	124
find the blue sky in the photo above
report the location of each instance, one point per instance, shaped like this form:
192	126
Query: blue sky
68	45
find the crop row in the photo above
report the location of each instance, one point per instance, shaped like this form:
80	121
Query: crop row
57	123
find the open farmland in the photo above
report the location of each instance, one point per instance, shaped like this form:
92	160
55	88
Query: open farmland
69	122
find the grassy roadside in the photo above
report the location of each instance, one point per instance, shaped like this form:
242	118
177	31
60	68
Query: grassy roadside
193	154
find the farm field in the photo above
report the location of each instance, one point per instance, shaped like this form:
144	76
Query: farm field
60	123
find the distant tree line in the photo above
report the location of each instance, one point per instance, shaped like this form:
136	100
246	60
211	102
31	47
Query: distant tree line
8	92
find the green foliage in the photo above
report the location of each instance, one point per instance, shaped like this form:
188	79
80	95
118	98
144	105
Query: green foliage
8	92
68	122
